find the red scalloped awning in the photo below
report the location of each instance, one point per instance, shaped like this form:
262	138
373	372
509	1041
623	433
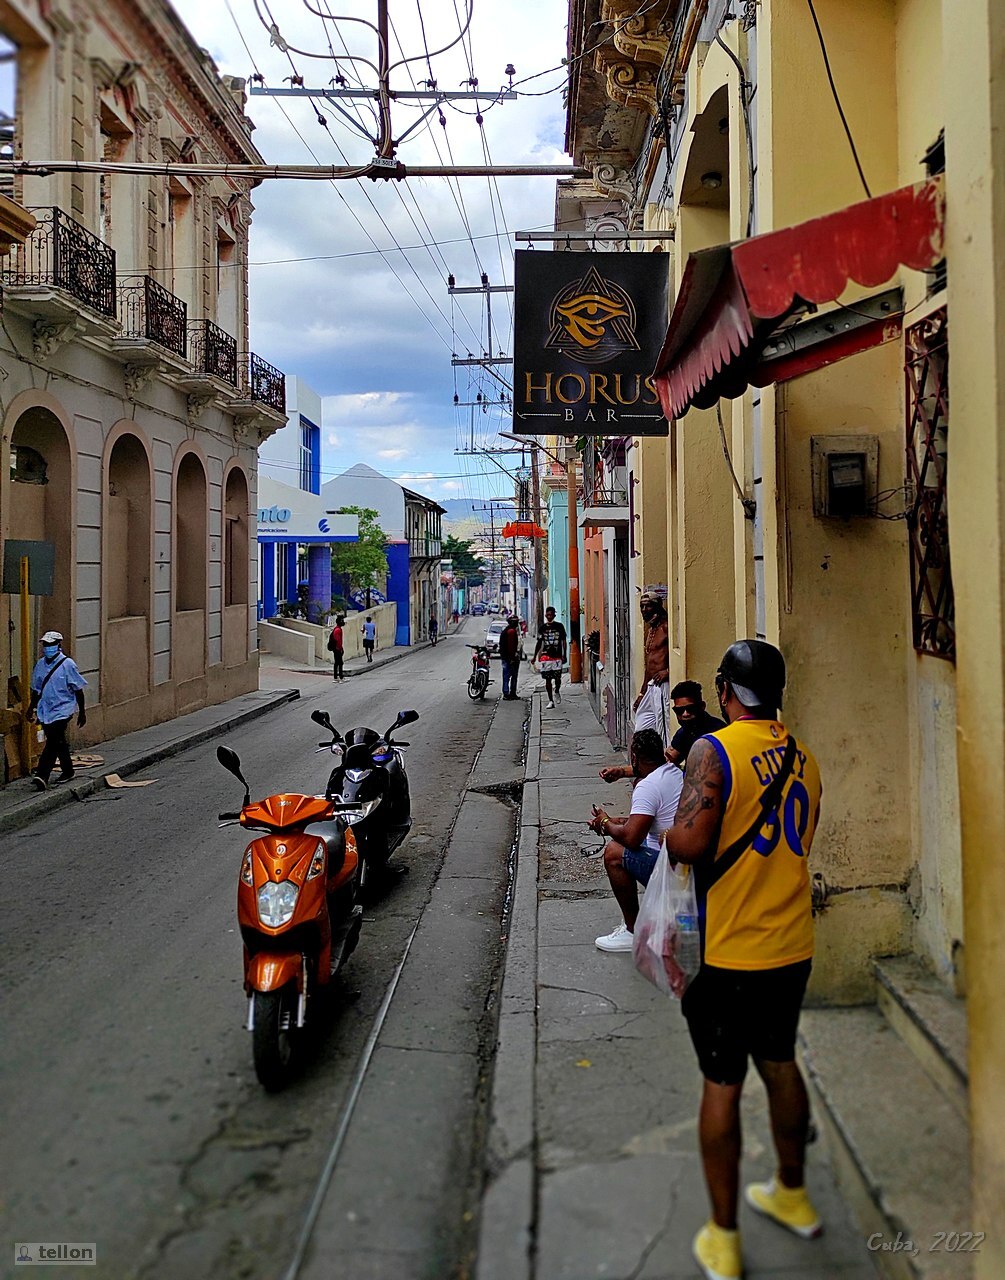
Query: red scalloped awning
523	529
733	297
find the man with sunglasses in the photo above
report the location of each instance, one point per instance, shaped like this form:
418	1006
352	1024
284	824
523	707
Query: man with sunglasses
689	708
745	822
695	721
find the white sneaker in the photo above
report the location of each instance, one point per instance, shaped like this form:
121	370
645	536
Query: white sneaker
552	705
619	940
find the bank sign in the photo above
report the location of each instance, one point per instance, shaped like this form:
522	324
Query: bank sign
588	328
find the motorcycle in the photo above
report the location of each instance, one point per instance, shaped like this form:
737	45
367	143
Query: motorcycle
297	912
370	778
478	680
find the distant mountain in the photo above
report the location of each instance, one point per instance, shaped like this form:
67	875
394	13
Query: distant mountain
459	509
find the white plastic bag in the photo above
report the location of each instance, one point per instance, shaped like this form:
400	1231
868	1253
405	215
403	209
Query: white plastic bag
666	946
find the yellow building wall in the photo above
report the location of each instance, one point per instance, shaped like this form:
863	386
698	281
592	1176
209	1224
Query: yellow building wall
837	591
974	84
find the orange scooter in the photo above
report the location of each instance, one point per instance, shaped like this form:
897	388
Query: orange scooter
297	910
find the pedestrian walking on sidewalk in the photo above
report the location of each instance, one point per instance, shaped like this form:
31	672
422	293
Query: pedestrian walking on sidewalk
369	633
336	643
651	706
551	652
745	821
57	690
509	652
634	845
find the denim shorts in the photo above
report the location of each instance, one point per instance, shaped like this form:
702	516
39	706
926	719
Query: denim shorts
639	863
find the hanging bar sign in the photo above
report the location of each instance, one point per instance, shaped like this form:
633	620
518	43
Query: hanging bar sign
588	328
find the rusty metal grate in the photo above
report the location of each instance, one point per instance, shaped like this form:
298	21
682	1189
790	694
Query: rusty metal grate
927	371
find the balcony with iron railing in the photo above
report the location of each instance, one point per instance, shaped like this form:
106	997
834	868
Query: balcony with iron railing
262	383
149	313
211	352
60	268
605	487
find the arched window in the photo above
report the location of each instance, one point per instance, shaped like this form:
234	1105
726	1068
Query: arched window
190	535
127	566
41	507
236	505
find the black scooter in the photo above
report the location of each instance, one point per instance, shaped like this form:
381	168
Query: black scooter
370	777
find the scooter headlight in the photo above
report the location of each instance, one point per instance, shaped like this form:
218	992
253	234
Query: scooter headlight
276	903
361	811
318	861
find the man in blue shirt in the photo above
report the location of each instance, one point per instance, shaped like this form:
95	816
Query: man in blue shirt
369	630
57	690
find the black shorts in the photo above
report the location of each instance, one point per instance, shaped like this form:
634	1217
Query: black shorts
735	1013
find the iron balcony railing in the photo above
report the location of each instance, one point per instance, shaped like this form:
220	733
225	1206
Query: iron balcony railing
605	484
263	382
211	351
148	310
64	255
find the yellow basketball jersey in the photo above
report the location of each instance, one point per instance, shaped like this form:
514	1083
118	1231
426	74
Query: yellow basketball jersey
756	914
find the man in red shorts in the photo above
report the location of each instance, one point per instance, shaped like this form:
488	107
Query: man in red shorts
746	818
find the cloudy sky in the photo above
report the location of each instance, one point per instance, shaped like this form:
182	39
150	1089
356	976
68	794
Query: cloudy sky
373	332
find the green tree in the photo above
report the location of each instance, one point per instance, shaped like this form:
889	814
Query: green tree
362	564
465	565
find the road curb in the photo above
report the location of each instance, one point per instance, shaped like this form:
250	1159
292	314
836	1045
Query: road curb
506	1230
49	801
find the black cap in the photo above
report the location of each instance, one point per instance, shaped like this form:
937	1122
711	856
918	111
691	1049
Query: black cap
756	671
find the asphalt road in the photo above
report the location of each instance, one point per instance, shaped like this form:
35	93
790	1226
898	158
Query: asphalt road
130	1111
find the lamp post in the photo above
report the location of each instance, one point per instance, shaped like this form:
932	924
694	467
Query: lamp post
569	467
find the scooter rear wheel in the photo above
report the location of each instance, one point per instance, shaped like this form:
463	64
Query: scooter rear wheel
273	1037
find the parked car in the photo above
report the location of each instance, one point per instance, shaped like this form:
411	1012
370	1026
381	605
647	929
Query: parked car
495	630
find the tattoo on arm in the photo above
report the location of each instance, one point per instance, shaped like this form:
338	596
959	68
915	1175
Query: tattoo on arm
703	780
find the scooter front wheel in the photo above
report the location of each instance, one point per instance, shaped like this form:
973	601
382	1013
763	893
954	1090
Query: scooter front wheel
273	1036
475	689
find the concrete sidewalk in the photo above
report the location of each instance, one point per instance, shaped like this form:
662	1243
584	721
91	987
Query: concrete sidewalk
593	1161
21	804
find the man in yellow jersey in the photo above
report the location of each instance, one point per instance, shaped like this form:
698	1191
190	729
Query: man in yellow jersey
746	818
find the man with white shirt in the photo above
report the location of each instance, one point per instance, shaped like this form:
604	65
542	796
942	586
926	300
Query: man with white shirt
634	844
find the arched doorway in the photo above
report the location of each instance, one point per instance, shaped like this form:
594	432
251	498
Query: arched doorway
236	567
125	660
41	509
188	637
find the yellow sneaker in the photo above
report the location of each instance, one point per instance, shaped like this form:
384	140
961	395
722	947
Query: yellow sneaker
789	1206
717	1252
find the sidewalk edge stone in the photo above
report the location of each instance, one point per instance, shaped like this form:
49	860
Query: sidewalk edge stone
506	1229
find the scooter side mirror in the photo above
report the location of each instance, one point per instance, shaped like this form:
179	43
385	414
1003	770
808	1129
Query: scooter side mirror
231	761
322	718
406	717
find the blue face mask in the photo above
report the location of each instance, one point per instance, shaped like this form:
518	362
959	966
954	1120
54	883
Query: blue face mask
50	650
